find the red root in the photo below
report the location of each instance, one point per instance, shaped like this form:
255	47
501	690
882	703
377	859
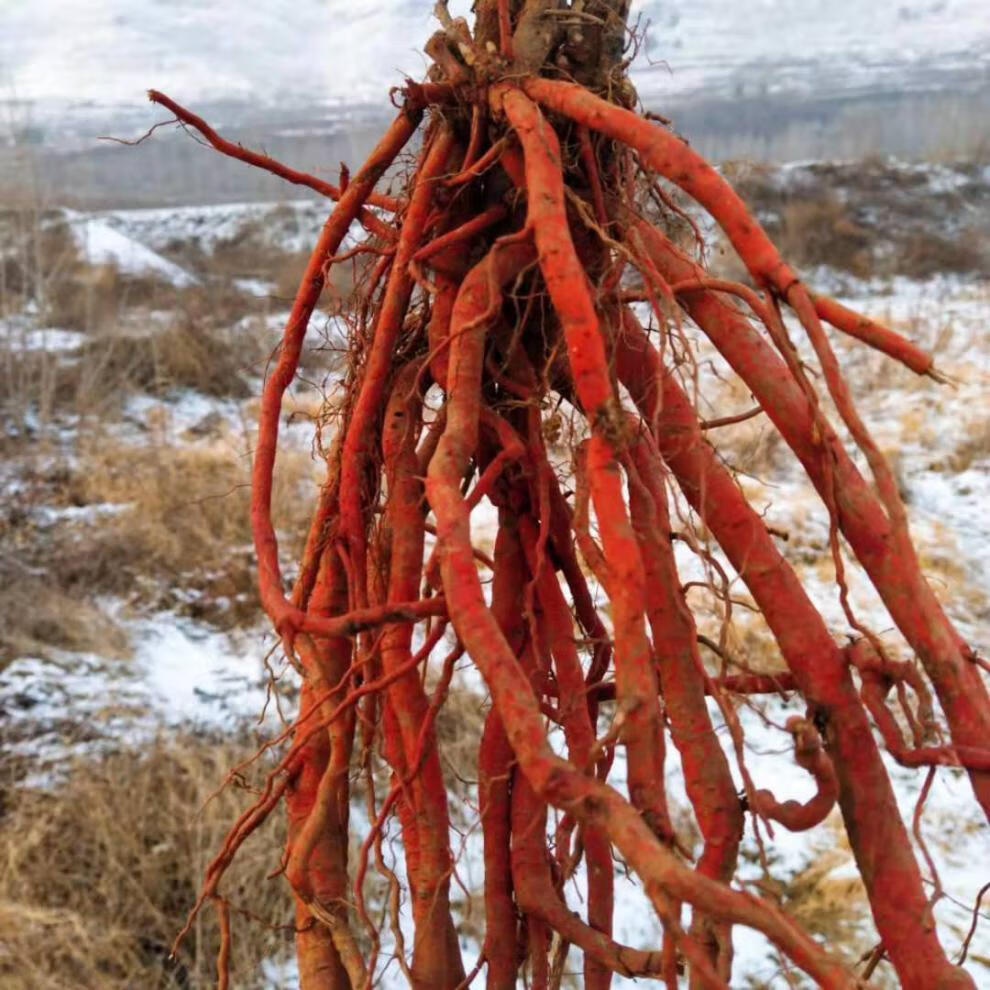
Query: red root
493	361
810	756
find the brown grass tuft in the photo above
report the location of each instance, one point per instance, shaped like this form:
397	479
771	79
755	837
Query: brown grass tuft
35	617
922	255
184	531
171	530
820	231
99	872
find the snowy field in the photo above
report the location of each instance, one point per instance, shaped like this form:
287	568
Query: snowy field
181	669
351	53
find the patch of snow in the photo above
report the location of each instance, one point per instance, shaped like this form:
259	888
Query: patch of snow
65	705
292	225
18	333
254	287
181	673
179	411
100	244
791	46
48	515
111	51
194	674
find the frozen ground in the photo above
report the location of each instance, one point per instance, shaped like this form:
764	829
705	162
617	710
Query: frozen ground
100	244
180	673
187	671
292	225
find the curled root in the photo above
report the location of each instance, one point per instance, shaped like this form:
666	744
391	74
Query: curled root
810	756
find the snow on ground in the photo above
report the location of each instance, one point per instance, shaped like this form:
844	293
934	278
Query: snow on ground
100	244
110	51
292	225
937	438
935	435
194	674
20	333
774	46
181	673
179	412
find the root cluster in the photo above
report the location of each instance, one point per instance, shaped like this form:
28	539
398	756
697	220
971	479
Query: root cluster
521	273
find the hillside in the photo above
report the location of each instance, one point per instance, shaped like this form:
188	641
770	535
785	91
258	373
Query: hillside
104	53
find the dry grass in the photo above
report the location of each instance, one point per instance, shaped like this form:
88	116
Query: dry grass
38	254
99	872
41	263
106	368
156	353
184	532
180	538
39	609
176	534
100	868
922	255
973	448
35	617
253	253
811	227
142	333
184	354
872	218
821	231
